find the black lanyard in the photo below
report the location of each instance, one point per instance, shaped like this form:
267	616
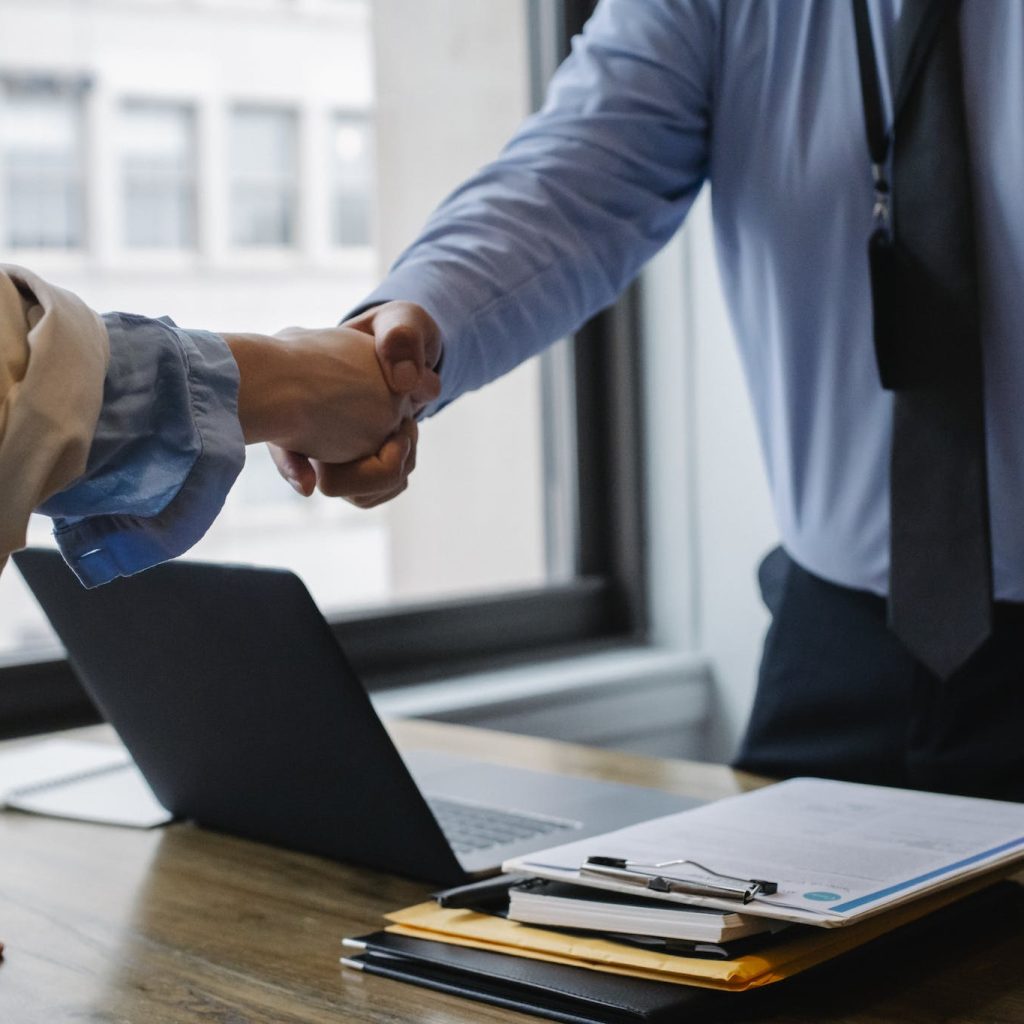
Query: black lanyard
886	260
874	114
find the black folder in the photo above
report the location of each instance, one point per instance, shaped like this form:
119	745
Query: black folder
557	991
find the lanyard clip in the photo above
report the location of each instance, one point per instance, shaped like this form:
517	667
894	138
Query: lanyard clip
881	213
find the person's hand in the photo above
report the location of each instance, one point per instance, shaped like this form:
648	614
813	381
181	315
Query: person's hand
408	344
408	348
320	393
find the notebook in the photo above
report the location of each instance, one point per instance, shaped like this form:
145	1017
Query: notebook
561	905
557	991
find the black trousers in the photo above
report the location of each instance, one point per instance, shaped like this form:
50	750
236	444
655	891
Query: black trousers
838	696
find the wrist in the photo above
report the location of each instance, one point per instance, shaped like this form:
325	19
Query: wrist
269	395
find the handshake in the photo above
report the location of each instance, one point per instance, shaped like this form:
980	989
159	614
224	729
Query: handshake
337	405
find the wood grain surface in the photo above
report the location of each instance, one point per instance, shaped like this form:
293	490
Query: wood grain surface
117	926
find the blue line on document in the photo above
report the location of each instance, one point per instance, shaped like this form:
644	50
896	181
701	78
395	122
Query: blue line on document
871	897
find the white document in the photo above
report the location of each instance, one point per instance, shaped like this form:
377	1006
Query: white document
75	779
118	796
839	851
53	760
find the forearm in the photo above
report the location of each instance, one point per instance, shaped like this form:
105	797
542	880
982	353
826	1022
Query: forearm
271	394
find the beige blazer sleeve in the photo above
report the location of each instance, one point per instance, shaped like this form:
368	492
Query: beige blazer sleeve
54	352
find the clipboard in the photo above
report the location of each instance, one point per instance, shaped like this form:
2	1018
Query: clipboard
806	851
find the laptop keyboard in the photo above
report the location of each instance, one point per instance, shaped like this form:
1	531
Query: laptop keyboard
471	827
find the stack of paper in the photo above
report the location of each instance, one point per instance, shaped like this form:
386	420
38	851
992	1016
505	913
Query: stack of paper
853	862
752	970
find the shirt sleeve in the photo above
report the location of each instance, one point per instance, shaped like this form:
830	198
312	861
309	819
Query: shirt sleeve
166	451
585	192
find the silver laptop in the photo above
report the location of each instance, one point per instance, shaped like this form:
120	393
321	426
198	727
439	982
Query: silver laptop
230	691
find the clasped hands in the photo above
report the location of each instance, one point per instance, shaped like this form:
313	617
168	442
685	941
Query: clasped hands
337	405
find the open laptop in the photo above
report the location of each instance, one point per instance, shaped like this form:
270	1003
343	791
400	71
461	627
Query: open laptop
229	689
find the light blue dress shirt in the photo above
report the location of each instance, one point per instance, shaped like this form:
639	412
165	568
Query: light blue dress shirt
761	99
167	448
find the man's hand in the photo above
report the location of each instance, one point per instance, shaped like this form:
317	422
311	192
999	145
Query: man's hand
318	393
408	348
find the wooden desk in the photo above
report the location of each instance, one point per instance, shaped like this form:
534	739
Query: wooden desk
116	926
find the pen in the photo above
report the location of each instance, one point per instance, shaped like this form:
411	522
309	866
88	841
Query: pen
488	894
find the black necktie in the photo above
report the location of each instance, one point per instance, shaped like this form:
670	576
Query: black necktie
940	577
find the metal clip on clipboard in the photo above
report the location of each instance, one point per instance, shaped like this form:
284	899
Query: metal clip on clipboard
631	872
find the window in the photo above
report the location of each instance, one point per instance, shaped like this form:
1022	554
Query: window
351	160
158	168
520	532
264	177
41	149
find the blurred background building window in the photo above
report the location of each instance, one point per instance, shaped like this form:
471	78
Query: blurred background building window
264	177
42	153
158	167
351	156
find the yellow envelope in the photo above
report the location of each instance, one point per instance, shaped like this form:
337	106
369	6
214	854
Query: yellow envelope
779	961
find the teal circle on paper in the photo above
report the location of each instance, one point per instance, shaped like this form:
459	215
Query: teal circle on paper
824	897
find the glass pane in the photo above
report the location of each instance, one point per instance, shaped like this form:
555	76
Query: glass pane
158	170
354	122
351	180
263	176
41	152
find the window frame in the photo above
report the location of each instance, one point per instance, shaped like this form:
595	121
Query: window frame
601	606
